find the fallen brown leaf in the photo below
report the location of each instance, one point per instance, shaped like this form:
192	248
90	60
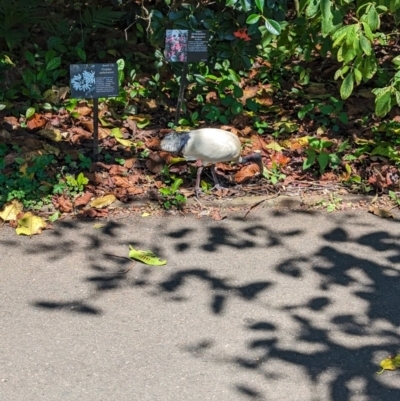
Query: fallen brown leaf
168	157
36	122
132	125
224	167
211	96
280	159
83	109
385	213
246	173
95	178
129	163
62	203
79	134
329	176
246	131
93	213
249	92
186	192
155	163
134	178
153	143
83	200
216	215
13	223
87	124
102	165
117	170
121	182
265	100
104	132
11	122
135	190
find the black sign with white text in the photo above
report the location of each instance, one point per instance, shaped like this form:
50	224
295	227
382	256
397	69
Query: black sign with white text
91	81
182	45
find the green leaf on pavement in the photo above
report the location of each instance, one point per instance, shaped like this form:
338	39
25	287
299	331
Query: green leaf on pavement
147	257
391	363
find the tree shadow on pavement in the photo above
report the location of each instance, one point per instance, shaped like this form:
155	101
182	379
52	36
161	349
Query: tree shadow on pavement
323	301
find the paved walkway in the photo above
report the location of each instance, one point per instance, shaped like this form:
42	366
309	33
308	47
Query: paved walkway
284	306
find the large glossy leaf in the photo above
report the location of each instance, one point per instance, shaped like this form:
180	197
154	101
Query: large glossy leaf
365	45
351	35
383	104
323	160
357	76
397	98
327	16
373	18
312	8
53	64
260	5
370	66
252	19
347	86
246	5
368	31
310	159
272	26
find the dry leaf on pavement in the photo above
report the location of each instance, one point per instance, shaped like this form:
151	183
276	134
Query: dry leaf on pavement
102	202
11	210
30	224
385	213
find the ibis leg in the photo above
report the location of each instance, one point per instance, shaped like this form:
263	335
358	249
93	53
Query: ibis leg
215	178
197	188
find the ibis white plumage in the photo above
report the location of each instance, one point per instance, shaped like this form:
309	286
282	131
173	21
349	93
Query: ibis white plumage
209	146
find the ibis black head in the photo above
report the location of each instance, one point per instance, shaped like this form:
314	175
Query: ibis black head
174	142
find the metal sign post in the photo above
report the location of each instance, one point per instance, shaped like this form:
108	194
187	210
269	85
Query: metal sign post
93	81
182	45
182	85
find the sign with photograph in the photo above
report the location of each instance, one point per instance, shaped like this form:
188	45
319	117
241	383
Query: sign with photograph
92	81
182	45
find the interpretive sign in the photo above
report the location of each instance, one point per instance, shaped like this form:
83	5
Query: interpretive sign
182	45
91	81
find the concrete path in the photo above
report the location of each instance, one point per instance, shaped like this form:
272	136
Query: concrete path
290	306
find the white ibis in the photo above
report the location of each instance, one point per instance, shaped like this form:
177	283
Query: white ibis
209	146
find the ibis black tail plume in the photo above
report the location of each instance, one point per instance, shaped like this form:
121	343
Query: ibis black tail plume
174	142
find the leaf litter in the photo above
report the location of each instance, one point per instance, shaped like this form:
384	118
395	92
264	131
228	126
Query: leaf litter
132	167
